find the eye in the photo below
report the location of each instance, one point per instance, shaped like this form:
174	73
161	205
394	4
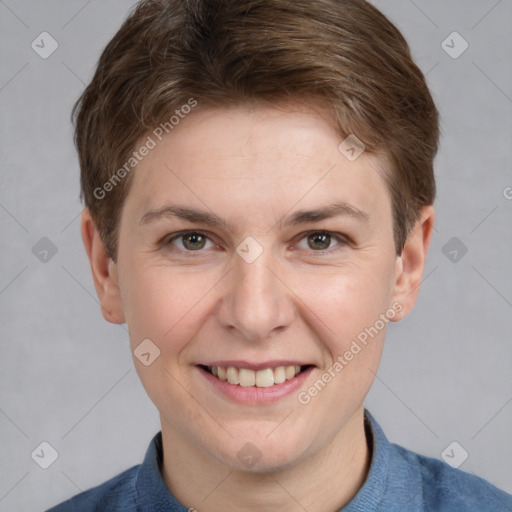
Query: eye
190	241
196	241
321	241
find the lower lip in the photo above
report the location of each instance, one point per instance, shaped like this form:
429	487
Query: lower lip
253	394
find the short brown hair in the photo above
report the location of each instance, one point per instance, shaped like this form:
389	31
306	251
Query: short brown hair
228	52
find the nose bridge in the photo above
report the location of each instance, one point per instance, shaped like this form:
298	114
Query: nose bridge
256	303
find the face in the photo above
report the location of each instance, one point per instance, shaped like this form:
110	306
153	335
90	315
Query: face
249	241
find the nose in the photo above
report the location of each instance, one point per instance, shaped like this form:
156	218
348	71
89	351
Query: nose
256	303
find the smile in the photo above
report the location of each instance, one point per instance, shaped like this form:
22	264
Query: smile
246	377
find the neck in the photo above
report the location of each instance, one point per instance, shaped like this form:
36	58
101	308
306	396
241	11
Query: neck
324	481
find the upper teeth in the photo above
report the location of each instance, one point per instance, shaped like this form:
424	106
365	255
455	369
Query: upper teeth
261	378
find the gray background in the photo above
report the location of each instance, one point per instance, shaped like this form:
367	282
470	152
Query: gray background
66	375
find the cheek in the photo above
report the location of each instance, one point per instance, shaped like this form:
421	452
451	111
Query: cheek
348	300
346	314
168	308
164	305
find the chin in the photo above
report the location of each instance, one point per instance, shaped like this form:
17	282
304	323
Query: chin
261	455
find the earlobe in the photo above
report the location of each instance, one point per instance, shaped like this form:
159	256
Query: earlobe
104	271
410	265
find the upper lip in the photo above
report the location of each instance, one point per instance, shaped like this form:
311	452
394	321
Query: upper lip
256	366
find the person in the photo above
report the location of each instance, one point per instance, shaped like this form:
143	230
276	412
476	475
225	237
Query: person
258	185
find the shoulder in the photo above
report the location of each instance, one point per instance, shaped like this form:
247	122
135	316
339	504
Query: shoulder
115	495
447	489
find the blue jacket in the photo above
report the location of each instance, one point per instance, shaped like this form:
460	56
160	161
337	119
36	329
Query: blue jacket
399	480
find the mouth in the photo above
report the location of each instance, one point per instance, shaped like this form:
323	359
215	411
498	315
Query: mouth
263	378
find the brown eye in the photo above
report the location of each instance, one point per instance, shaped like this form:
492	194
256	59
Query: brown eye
322	242
319	241
190	241
193	241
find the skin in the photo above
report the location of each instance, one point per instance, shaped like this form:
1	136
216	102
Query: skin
253	167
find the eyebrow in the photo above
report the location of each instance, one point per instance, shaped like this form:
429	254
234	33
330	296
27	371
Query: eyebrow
338	209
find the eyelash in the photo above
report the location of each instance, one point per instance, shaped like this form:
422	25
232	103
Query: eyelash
342	241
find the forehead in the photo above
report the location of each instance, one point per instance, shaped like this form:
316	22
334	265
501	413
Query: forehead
257	157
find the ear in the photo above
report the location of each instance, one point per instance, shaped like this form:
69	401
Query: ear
104	271
411	263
